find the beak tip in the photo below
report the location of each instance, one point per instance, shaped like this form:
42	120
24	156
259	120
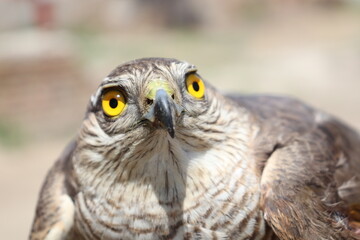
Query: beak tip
171	133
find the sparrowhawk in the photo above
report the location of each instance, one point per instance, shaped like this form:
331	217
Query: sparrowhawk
161	154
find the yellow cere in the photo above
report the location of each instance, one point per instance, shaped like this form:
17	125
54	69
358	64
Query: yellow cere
195	86
113	103
156	84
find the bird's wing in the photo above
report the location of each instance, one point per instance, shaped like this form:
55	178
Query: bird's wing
310	170
54	215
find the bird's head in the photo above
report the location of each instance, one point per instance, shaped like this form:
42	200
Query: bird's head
151	97
152	114
153	94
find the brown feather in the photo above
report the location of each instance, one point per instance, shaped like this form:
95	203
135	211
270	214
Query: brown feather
310	169
50	209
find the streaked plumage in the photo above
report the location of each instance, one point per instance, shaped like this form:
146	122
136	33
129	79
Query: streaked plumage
178	165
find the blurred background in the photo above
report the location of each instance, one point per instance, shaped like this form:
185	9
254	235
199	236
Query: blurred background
53	54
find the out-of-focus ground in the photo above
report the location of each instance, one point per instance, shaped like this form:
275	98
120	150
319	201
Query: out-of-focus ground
52	57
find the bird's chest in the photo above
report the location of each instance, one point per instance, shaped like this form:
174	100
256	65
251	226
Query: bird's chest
216	208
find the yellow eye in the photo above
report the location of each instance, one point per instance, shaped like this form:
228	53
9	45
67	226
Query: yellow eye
113	103
195	86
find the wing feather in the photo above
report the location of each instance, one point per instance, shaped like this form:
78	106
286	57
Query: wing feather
310	168
54	214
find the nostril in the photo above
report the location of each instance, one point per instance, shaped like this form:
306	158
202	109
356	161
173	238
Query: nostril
149	101
172	96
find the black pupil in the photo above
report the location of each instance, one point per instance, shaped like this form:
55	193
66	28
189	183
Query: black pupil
195	86
113	103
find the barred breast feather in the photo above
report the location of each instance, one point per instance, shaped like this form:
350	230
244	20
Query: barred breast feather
172	191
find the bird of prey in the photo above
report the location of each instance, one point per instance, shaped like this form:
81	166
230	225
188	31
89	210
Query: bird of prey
161	154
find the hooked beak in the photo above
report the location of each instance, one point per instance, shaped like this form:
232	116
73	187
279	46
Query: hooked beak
163	111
